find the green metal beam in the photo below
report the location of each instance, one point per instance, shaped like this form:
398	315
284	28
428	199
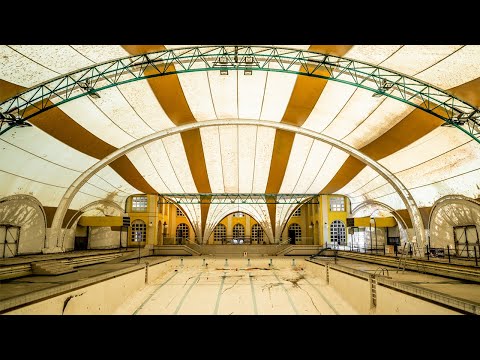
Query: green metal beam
382	82
237	198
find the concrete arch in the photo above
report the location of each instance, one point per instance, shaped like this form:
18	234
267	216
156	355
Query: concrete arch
290	211
211	227
29	214
403	192
94	205
402	226
466	212
101	205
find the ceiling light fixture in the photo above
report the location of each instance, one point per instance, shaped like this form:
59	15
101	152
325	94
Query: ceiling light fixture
384	87
89	89
11	121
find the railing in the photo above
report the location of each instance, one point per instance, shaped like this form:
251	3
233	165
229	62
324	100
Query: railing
240	240
193	245
468	255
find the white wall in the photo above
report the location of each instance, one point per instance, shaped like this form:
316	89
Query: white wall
97	299
450	213
104	238
24	211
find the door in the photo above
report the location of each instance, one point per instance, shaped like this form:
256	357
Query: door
81	238
465	238
291	235
9	238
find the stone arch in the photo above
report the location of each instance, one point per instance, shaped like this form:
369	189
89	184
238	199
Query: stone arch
450	211
26	212
402	191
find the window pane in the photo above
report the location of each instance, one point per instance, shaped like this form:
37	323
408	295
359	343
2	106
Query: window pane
220	233
337	232
337	203
180	212
139	231
139	203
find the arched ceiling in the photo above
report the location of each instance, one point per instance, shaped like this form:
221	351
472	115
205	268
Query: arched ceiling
431	160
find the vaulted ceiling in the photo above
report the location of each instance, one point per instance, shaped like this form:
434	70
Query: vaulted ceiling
431	160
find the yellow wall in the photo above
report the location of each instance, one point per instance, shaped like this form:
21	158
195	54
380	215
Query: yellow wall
314	214
337	215
319	215
230	221
149	217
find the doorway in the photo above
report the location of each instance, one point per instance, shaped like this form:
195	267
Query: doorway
9	238
295	233
81	238
465	239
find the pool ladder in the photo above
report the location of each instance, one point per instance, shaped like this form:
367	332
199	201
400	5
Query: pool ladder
373	291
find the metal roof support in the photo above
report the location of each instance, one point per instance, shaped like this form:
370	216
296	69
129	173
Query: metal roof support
381	81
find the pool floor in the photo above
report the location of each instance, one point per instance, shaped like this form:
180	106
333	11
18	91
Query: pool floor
236	287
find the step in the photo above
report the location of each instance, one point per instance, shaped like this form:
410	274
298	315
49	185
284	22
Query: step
51	268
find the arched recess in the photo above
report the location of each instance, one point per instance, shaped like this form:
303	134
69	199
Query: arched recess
449	217
219	233
182	233
96	208
372	204
225	210
186	214
27	213
410	204
295	233
290	210
257	234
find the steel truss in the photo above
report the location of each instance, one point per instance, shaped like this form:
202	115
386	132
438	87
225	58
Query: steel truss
238	198
383	82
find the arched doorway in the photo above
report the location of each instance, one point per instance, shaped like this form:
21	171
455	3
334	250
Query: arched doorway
337	232
295	233
238	234
219	234
182	233
139	231
257	234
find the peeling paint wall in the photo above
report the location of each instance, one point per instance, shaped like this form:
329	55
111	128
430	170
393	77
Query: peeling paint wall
449	213
25	212
104	238
100	237
69	239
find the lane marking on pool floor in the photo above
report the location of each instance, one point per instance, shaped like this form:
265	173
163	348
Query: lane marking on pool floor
286	291
219	293
323	297
255	311
153	293
186	293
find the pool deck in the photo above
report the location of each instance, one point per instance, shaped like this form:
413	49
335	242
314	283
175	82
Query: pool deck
235	286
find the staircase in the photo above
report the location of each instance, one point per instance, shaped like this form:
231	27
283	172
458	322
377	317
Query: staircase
298	250
51	268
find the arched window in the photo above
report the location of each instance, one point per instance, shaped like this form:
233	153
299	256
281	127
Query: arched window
337	232
180	212
139	231
220	233
238	231
182	233
257	233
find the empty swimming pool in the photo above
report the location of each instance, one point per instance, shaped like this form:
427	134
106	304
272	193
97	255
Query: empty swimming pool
236	286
